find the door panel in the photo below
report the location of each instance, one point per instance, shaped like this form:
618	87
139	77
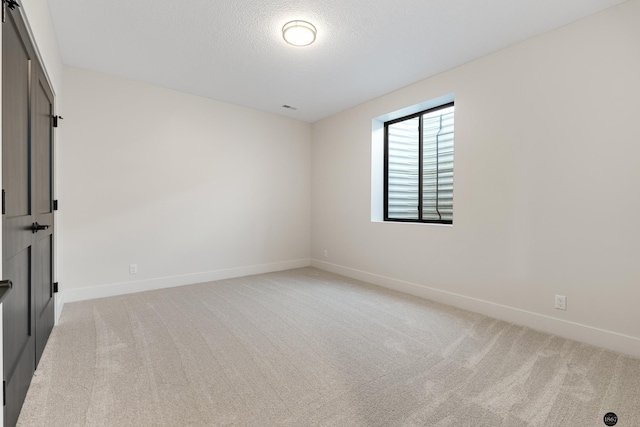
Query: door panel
41	146
18	337
18	309
19	340
42	207
15	102
42	293
27	146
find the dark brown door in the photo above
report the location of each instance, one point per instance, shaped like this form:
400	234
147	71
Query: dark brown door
27	220
42	208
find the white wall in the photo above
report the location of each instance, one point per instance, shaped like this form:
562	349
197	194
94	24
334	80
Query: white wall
546	187
187	188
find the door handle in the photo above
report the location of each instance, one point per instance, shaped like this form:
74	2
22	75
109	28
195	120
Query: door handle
35	227
5	286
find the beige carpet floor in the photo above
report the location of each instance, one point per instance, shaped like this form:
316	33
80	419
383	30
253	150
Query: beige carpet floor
305	348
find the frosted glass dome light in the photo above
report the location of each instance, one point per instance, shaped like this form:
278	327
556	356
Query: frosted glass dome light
299	33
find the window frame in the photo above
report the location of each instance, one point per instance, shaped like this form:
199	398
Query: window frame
386	125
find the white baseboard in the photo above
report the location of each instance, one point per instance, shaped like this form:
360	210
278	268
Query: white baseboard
123	288
571	330
59	304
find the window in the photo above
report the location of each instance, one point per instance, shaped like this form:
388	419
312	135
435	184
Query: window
418	167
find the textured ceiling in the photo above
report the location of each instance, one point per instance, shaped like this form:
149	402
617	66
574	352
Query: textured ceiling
233	51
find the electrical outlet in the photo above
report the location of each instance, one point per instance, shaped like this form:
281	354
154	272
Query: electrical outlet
561	302
326	253
133	268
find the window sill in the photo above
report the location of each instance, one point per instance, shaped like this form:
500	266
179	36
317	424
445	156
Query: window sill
411	223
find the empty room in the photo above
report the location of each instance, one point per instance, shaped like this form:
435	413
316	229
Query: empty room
334	213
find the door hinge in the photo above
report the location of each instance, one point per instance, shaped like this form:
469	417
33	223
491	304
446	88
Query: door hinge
55	287
55	120
4	202
55	205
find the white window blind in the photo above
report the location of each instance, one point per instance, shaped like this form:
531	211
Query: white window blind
419	167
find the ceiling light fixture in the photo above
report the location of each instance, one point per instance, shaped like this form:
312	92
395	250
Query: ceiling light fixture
299	33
